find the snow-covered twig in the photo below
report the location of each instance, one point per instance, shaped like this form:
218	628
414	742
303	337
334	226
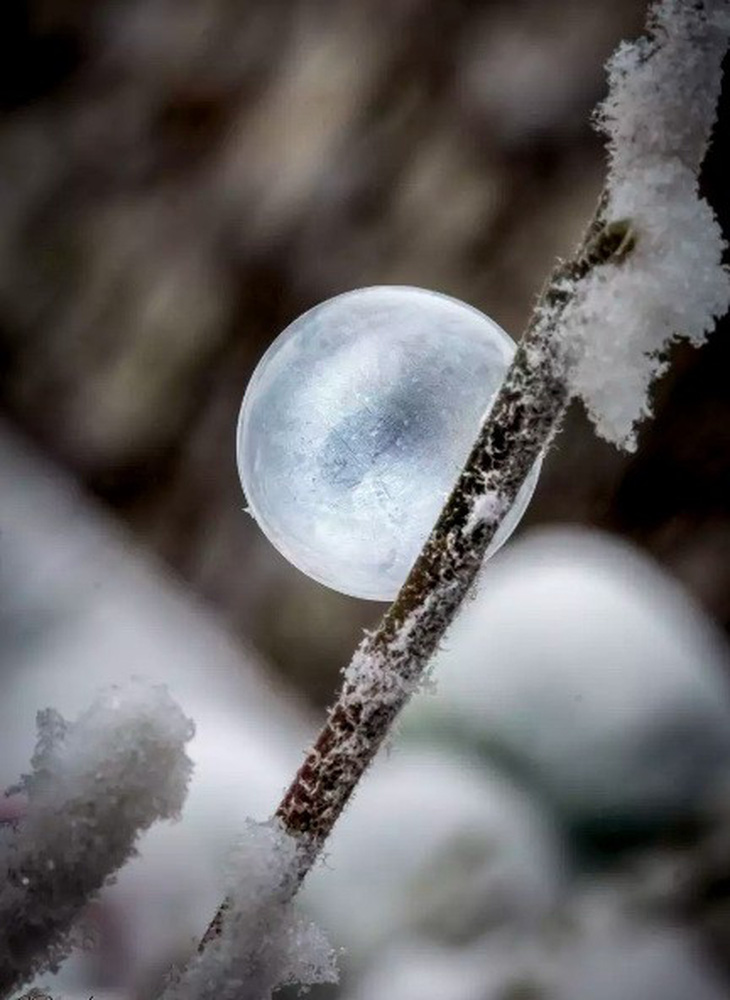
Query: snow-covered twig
95	785
648	268
390	663
263	943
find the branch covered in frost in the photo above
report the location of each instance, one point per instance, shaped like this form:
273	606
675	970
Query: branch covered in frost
390	663
95	785
648	268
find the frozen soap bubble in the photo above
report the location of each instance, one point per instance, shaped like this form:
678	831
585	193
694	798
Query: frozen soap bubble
356	424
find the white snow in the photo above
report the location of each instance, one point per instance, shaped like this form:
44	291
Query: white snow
264	943
95	785
486	507
658	117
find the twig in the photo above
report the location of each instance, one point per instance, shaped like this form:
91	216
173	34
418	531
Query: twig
390	662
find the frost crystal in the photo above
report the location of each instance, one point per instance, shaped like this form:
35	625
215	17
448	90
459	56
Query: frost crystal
486	507
263	943
95	785
658	116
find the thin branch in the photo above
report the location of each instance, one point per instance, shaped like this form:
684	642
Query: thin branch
390	662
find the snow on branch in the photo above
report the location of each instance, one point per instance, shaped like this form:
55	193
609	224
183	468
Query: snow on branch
95	785
658	116
263	943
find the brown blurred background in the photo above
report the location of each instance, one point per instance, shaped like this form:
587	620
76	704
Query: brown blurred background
179	179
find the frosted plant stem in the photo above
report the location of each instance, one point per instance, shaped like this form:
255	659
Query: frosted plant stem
95	785
391	661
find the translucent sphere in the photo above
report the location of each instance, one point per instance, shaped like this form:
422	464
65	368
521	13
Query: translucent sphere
356	424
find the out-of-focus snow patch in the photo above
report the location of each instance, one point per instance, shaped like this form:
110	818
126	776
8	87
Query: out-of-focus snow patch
594	950
612	955
584	664
434	843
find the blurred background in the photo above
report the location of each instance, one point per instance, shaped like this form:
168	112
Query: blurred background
179	179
